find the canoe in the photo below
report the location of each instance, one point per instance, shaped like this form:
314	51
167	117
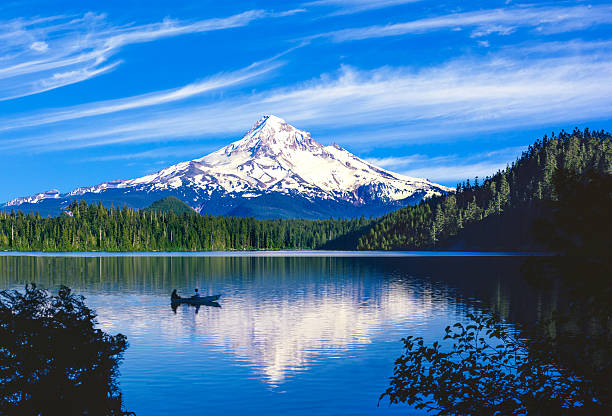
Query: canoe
196	301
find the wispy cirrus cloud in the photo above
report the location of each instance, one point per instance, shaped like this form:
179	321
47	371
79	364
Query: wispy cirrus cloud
453	173
552	19
493	93
356	6
216	82
190	152
42	54
450	169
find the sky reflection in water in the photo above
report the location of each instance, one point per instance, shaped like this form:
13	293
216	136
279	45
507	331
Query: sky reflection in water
294	334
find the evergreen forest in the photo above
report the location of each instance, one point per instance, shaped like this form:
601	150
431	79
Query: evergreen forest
496	209
92	227
488	213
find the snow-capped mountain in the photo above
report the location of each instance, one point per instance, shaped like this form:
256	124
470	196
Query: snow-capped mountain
275	170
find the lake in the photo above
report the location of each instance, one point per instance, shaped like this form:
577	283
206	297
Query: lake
297	333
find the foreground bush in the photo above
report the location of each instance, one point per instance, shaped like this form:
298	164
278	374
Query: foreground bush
487	371
53	361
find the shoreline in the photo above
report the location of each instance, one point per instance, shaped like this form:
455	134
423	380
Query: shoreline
275	253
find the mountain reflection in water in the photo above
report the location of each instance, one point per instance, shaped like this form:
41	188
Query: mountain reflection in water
278	334
322	331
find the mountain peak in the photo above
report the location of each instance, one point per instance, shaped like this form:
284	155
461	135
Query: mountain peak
273	162
272	136
271	120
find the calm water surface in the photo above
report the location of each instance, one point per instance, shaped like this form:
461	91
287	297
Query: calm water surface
294	334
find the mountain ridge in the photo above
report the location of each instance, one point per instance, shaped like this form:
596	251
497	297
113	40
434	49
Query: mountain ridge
272	158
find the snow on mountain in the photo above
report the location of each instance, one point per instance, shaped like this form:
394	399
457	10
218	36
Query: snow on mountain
273	158
53	193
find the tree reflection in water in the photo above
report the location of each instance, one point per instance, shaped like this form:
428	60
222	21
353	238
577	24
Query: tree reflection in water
560	365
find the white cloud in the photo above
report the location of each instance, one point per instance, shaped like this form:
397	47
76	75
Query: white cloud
59	79
484	22
451	169
397	162
213	83
182	151
355	6
39	46
78	48
389	105
286	13
455	173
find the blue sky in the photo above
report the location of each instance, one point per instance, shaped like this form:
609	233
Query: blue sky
95	91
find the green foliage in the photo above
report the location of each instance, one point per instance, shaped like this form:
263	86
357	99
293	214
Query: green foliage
487	370
94	228
557	366
169	204
522	186
52	359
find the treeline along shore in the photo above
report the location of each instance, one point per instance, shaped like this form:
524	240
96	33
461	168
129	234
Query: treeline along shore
92	227
496	212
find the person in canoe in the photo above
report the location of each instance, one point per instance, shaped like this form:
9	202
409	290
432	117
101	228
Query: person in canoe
197	294
174	295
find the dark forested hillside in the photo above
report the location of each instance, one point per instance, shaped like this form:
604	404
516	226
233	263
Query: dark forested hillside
169	204
92	227
496	212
